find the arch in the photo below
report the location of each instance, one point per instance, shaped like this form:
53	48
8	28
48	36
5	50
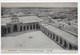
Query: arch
27	27
47	33
76	47
9	30
20	28
70	46
53	36
36	26
57	38
24	28
3	31
60	41
33	26
44	31
15	28
50	35
65	44
30	27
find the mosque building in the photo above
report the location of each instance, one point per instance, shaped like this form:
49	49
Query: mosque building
28	23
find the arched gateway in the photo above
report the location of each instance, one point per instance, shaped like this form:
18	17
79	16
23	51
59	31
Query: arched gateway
15	28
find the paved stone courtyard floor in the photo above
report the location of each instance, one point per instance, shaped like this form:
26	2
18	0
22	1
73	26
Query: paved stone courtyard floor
28	40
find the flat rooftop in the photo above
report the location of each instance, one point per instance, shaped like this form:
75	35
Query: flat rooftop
61	33
24	19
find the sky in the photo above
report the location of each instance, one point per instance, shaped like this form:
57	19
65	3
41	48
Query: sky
54	4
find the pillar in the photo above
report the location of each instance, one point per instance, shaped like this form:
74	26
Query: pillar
11	28
64	44
6	30
55	38
67	46
49	34
32	27
58	40
52	36
29	27
18	28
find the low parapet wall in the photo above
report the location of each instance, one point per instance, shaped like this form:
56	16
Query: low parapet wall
64	43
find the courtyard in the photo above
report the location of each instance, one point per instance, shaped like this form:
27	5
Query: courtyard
28	40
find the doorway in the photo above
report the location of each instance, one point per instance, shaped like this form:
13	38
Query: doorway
15	28
9	30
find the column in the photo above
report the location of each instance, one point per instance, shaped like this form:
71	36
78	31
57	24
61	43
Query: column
58	40
67	46
6	30
18	28
29	26
52	36
32	27
11	28
49	34
62	43
35	26
22	28
55	38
